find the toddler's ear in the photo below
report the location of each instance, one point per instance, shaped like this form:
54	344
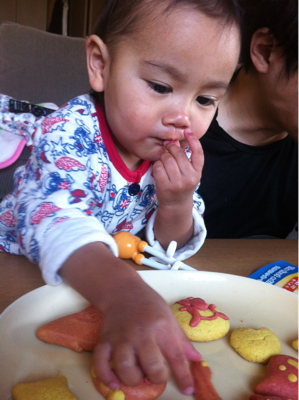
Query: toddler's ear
97	62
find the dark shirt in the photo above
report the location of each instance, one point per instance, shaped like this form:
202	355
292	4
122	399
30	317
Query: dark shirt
248	190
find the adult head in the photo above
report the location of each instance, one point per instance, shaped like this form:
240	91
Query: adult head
270	50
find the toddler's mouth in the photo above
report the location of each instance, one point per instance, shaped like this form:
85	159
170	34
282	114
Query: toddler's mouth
176	142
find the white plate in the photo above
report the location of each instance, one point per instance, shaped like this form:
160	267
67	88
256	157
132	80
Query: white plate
248	303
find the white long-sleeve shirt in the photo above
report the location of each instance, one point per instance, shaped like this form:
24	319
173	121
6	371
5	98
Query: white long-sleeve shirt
75	189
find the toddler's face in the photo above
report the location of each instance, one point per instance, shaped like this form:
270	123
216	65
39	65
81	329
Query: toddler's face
165	79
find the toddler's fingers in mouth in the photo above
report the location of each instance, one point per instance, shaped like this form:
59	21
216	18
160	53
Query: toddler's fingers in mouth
176	142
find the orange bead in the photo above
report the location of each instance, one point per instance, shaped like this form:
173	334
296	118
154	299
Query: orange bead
127	244
141	245
138	258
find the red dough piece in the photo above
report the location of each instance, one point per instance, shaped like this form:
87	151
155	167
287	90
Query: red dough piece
281	378
79	331
204	390
261	397
145	391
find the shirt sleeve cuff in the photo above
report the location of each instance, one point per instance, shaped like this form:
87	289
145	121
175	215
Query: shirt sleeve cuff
194	243
66	238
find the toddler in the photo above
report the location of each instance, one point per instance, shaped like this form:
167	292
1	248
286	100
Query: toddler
127	157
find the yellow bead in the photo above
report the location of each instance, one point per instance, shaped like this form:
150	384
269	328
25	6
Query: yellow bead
116	395
292	378
293	363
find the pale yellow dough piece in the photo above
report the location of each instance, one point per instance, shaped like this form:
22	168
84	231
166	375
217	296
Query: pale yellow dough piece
205	331
295	344
255	345
48	389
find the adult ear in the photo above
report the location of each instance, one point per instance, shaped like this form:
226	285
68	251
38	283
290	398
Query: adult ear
97	62
261	47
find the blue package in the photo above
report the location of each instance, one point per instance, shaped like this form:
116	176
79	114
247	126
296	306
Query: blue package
279	273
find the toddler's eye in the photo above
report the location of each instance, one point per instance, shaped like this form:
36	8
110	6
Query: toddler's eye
159	88
205	101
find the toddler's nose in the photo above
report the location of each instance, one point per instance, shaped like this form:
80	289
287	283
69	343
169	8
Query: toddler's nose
178	119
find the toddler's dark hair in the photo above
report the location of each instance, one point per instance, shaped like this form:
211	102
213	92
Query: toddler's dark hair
281	17
122	17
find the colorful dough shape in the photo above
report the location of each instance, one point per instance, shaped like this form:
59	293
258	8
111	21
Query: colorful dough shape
78	332
255	345
204	389
48	389
281	378
200	321
145	391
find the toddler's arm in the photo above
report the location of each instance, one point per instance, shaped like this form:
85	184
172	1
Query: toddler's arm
139	331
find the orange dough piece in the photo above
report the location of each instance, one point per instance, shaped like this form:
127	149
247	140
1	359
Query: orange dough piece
78	332
281	378
145	391
204	390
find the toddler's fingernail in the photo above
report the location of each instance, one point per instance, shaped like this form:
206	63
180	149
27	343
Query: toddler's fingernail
114	386
189	391
187	131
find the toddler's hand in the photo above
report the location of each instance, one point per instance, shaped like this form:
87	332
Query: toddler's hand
139	335
176	177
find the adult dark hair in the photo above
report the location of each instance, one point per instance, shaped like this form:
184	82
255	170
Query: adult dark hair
281	17
123	17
